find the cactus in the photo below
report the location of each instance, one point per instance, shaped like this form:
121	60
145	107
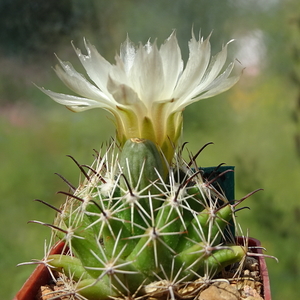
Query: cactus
127	226
144	220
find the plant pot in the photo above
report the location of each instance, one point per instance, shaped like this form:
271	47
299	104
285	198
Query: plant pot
262	265
41	275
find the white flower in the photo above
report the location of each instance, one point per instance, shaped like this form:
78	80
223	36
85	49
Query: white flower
147	88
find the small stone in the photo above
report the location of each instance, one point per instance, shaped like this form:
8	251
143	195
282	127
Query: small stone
250	291
252	264
45	293
220	291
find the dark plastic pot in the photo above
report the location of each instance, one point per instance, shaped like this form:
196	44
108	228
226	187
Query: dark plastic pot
41	275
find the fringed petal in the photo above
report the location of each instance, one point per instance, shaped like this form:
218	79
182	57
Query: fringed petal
95	65
195	69
77	83
147	74
127	54
75	103
172	64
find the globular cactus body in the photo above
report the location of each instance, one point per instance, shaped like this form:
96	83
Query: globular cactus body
132	223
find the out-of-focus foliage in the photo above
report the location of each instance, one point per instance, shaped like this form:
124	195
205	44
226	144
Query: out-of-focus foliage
30	27
255	126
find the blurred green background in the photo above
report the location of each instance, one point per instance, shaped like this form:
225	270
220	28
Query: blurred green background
254	126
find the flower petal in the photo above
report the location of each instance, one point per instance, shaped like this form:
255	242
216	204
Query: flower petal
218	80
147	75
221	84
75	103
127	54
122	93
118	73
196	66
215	66
172	64
77	83
210	77
96	66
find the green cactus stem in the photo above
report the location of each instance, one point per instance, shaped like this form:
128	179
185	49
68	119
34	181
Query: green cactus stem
129	223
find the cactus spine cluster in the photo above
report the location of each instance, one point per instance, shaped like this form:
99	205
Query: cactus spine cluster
137	222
